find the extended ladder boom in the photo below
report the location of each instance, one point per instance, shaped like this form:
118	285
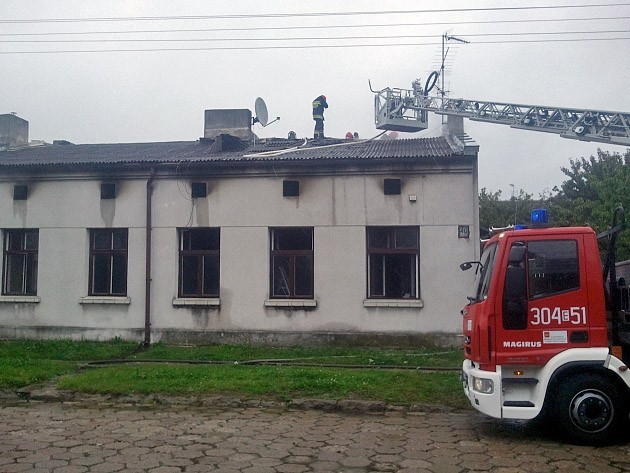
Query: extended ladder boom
406	110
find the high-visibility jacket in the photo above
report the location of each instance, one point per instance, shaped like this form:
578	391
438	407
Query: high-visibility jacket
319	104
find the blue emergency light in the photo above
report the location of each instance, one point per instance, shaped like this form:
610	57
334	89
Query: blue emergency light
539	217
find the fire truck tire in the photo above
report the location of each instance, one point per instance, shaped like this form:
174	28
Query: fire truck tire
589	409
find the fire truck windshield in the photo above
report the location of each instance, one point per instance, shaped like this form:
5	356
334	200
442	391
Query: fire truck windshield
485	275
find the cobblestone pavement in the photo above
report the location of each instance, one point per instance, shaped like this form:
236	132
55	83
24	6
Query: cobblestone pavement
65	438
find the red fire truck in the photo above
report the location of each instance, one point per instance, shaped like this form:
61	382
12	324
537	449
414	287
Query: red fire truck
544	337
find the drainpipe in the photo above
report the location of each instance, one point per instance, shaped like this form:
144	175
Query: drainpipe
147	293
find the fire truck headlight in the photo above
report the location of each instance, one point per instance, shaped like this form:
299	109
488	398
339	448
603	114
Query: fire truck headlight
483	385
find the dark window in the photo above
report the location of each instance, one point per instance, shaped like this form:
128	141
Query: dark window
20	192
485	271
292	262
552	267
392	186
393	254
290	188
198	189
108	262
20	262
108	190
199	262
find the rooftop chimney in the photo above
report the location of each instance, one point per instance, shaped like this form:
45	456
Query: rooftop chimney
231	121
454	126
13	131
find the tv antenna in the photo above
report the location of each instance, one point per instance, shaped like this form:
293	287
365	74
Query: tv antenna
262	116
446	37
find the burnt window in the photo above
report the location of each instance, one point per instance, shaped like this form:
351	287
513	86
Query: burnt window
292	262
108	190
392	254
552	267
20	192
199	262
290	188
392	186
108	262
198	190
20	262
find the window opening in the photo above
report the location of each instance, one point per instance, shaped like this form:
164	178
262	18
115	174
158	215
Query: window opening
392	186
20	260
553	267
393	254
292	263
487	266
199	262
290	188
108	262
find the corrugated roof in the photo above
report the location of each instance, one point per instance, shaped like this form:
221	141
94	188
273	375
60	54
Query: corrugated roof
204	151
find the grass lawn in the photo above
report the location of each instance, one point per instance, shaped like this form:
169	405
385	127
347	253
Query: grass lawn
28	362
23	363
420	357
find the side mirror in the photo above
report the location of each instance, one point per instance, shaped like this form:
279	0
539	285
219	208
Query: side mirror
517	254
469	264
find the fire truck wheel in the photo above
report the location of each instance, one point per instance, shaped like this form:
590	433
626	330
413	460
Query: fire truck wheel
589	409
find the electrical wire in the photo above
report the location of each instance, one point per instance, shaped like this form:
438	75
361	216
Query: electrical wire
295	38
310	14
318	27
297	47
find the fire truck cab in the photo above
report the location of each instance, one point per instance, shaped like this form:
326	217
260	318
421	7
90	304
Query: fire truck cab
540	338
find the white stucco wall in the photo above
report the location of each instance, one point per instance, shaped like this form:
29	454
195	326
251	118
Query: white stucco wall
338	206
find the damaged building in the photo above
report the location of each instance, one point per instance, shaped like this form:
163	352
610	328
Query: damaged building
233	239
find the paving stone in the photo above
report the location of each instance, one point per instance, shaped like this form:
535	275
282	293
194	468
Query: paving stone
107	467
64	438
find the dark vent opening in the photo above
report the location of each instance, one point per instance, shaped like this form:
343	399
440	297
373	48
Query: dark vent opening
198	189
108	190
579	336
290	188
20	192
392	186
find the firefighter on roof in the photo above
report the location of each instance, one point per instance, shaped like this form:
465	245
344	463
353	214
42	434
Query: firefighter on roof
319	104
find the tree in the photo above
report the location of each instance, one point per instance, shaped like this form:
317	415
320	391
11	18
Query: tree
494	212
594	188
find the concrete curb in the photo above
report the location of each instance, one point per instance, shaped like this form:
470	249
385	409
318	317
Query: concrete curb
50	393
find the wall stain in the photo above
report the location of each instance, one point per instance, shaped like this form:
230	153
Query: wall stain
108	212
19	210
202	212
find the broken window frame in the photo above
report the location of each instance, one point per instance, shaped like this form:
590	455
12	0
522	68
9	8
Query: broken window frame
111	261
291	266
207	284
386	276
21	245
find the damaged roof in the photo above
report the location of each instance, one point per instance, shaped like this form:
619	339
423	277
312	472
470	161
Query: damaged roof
229	149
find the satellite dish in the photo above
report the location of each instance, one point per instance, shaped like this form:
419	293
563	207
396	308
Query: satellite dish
262	116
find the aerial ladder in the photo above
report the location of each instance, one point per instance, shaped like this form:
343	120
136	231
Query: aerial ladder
407	110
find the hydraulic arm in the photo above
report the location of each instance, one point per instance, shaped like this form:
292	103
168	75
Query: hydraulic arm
406	110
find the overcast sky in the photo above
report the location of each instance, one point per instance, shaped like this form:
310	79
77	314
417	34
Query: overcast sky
137	96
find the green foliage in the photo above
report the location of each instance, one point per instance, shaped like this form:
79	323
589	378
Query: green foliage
594	188
494	212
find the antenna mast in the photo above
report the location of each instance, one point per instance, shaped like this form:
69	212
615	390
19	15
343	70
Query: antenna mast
445	38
